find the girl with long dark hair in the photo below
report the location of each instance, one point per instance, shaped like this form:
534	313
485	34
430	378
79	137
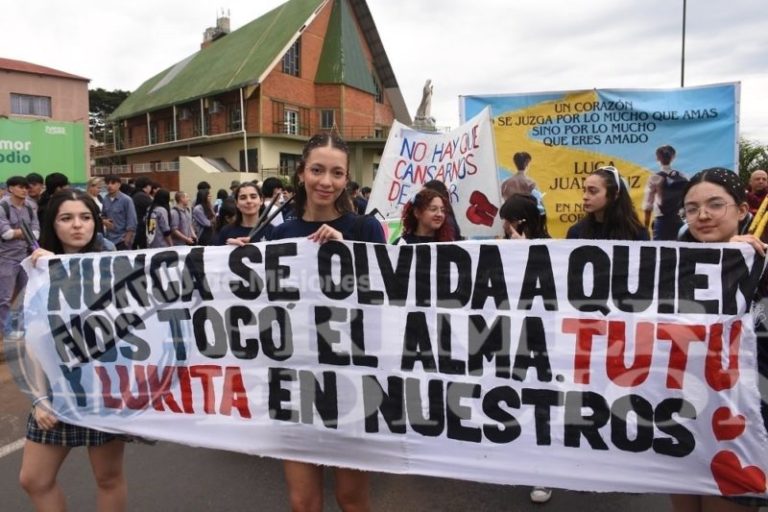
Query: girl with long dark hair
202	217
610	212
324	212
71	225
158	223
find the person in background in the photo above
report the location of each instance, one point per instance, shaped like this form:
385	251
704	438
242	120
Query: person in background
157	223
71	226
523	221
181	221
202	217
248	202
610	212
323	213
227	214
204	185
93	188
142	200
221	195
272	189
118	215
758	189
53	183
14	246
366	193
425	219
440	187
232	187
715	209
289	212
663	196
36	188
357	200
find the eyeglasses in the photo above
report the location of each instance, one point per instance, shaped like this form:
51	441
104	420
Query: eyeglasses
715	209
615	173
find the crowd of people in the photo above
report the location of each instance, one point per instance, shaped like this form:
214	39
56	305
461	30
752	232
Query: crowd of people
47	217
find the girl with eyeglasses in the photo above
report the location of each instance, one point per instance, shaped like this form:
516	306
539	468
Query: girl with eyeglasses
425	217
715	209
610	212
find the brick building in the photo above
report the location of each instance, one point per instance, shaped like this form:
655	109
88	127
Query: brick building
244	105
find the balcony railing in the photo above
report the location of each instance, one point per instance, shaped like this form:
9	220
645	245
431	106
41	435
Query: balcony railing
349	133
119	170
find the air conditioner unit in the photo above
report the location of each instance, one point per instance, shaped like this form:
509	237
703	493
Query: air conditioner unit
216	107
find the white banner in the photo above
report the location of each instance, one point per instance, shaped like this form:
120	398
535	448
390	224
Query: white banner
614	366
464	159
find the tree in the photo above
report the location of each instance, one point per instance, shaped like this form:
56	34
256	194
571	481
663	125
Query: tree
752	156
101	103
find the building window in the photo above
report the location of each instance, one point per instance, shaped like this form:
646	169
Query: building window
26	105
327	119
289	163
253	160
235	122
379	92
153	133
291	121
378	133
291	60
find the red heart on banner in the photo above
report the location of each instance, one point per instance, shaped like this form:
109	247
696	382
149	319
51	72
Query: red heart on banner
732	478
727	425
481	211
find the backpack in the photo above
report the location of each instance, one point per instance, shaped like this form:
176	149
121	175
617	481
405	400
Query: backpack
150	226
672	186
7	210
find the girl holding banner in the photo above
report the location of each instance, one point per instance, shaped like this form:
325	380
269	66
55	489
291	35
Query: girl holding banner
610	213
715	210
523	221
71	225
425	219
324	212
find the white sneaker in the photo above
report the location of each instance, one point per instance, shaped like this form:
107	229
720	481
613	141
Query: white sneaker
540	494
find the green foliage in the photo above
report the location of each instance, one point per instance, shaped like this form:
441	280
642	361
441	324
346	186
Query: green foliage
752	156
101	103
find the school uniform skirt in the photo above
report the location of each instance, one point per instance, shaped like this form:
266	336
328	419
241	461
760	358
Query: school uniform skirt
64	434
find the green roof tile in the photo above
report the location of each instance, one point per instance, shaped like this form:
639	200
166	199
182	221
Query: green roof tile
342	60
237	59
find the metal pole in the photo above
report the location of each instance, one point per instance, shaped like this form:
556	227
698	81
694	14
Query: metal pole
245	133
682	60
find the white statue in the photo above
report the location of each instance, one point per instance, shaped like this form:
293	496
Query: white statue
424	119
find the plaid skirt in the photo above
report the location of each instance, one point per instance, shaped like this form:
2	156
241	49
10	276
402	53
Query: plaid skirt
64	434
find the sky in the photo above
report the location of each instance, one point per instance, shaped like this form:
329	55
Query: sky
464	47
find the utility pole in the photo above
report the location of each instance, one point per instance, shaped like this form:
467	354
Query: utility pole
682	60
